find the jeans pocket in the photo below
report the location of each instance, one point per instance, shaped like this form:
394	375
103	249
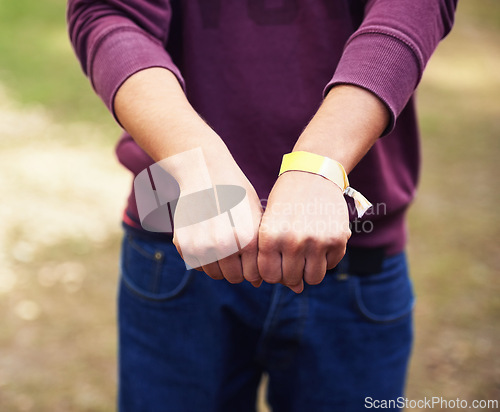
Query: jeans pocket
386	296
153	270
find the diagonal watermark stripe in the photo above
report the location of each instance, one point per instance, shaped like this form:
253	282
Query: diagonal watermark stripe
211	221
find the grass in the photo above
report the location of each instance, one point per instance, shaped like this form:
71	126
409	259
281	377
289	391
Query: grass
38	65
58	269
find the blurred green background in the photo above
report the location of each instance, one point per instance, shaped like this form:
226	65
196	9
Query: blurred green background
62	193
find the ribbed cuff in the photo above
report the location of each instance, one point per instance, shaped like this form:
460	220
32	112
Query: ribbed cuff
382	64
121	53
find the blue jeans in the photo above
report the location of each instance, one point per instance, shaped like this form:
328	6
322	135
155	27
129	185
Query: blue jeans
188	343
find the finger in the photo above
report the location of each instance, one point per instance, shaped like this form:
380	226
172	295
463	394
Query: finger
293	270
333	258
213	270
231	268
179	251
250	268
191	262
297	288
269	265
315	268
257	283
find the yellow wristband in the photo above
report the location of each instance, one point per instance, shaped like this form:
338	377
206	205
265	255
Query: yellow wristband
319	165
328	168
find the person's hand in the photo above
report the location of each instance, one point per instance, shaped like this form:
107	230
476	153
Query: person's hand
304	230
153	108
216	227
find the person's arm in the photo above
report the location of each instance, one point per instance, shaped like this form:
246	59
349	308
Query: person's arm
345	127
121	47
152	107
304	229
387	54
117	38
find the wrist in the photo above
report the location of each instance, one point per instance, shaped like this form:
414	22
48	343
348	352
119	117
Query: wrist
346	125
202	167
316	164
329	169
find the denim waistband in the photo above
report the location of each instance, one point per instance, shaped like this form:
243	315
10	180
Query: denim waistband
359	260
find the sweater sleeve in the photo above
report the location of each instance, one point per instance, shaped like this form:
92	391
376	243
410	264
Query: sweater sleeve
388	52
114	39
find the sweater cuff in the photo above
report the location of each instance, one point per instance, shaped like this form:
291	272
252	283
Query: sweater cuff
121	53
382	64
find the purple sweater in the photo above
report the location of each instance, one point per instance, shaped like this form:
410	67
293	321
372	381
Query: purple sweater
257	70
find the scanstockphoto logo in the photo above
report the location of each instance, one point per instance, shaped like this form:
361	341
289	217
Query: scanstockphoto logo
214	221
435	402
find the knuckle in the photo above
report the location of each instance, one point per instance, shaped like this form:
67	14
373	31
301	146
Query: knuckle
294	244
268	237
313	239
250	247
337	241
223	244
346	233
200	249
196	244
245	235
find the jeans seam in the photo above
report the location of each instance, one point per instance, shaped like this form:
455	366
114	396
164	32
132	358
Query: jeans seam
167	296
372	317
268	321
159	260
304	309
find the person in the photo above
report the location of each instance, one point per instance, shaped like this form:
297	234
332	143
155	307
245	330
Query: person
319	301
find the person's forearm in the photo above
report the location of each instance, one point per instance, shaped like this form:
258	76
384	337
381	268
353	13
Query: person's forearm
347	124
345	127
153	108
